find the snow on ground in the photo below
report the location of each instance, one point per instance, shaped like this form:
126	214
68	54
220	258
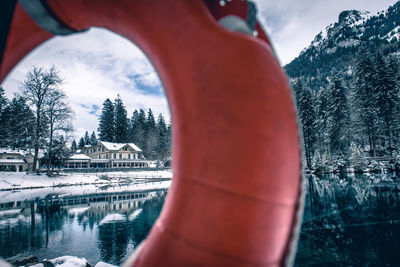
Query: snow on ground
65	261
18	180
21	195
103	264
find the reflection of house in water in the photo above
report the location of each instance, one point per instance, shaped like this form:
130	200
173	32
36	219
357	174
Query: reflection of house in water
108	201
13	160
109	155
113	223
120	220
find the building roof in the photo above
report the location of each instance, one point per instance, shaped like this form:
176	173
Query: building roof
118	146
79	157
20	152
11	151
11	161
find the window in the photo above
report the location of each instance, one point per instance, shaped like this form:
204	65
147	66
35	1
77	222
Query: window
129	156
115	156
120	156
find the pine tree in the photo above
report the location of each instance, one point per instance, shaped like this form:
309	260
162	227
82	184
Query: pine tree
338	118
73	147
387	97
162	138
364	100
81	143
322	121
20	124
306	112
138	125
3	121
93	139
393	69
357	158
60	153
3	100
150	143
106	122
86	138
132	127
120	121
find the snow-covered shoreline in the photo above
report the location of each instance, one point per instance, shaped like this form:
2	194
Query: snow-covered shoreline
18	181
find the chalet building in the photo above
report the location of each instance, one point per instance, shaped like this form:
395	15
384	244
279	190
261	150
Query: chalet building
78	161
109	155
17	161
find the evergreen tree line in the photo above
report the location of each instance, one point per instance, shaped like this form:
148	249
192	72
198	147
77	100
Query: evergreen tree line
38	118
84	141
151	135
16	123
352	123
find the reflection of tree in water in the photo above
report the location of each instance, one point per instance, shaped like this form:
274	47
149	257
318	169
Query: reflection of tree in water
32	230
113	241
352	222
37	225
114	238
20	237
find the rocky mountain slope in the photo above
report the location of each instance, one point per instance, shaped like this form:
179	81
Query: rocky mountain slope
336	47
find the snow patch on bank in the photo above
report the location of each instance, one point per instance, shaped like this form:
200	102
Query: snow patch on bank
103	264
21	195
17	180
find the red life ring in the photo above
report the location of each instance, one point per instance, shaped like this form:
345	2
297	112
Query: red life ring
234	199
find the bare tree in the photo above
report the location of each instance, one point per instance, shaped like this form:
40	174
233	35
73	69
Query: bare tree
59	116
38	86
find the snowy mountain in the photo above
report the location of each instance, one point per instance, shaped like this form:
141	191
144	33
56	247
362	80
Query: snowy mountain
336	46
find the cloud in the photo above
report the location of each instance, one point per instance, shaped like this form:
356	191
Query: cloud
96	65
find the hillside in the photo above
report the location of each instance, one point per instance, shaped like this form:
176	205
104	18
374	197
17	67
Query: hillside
337	45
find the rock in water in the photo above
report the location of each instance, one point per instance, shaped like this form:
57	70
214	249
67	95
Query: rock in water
22	261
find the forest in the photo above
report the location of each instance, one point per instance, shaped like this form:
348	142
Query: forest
353	124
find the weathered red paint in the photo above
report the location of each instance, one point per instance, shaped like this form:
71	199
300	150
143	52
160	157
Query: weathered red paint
236	159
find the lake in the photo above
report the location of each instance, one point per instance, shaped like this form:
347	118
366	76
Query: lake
104	224
348	221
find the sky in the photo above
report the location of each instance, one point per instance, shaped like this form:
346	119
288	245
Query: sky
98	64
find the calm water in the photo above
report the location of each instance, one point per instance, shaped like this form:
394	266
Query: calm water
352	221
99	227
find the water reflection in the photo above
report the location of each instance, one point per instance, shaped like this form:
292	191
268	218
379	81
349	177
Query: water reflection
97	226
350	221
